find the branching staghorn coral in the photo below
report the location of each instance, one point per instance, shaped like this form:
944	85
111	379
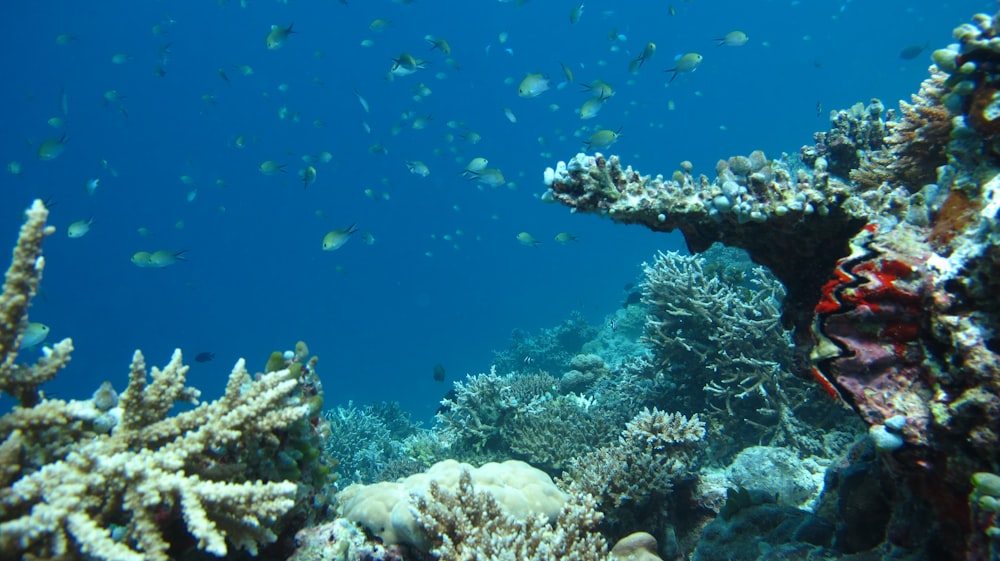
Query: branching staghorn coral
699	321
484	403
368	442
20	286
654	449
720	329
524	416
470	524
147	468
87	479
569	426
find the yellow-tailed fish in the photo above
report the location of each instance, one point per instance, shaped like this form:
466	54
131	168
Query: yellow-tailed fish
591	107
420	123
565	237
647	53
141	259
476	165
34	334
567	71
335	239
379	24
113	96
603	139
471	137
491	177
79	228
417	167
271	167
278	35
439	44
527	239
733	39
687	62
165	258
600	88
533	85
308	176
51	148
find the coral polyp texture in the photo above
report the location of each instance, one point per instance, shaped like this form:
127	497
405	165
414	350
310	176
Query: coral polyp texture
113	477
885	234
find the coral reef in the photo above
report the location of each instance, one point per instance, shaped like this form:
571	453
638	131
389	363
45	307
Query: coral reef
889	249
631	478
547	351
368	441
525	416
713	324
475	416
114	476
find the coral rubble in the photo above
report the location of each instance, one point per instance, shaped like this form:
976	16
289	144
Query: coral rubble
887	239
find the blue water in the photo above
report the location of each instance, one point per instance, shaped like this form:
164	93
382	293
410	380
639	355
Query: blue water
380	316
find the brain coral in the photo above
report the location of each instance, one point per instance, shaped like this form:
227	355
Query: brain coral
385	508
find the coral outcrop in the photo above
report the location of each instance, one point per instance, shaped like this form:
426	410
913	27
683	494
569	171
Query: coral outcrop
887	239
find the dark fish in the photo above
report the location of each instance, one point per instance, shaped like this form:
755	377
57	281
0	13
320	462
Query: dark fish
912	52
438	373
628	286
446	408
633	297
204	356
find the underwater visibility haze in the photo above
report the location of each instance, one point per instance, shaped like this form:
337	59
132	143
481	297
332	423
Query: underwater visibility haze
421	225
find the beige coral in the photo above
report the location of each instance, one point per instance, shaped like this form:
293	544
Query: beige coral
138	472
71	489
20	286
